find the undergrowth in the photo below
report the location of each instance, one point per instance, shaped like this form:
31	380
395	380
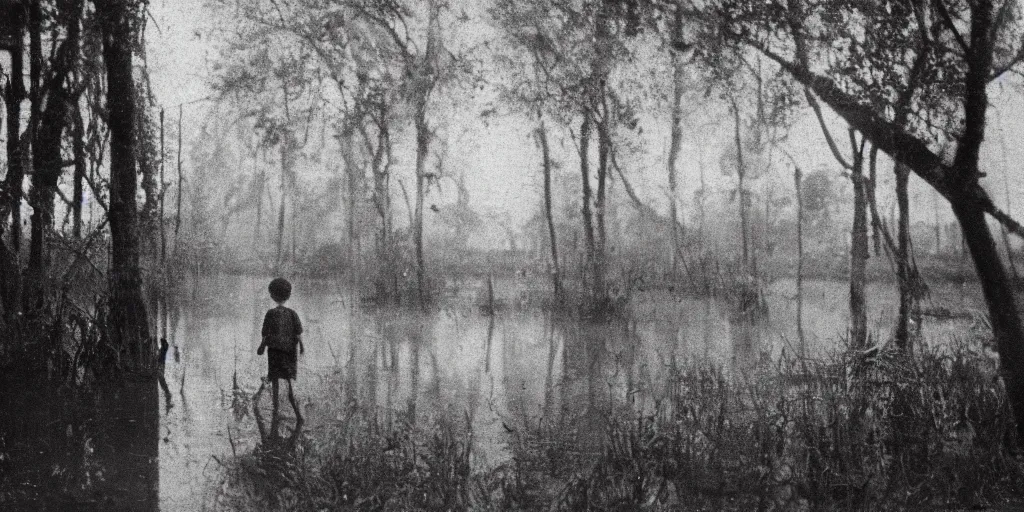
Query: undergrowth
886	431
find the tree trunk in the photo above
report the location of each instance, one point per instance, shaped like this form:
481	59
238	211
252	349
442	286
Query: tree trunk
35	64
741	195
47	163
129	322
859	249
146	152
181	182
1009	211
161	188
903	270
295	227
10	283
14	94
588	218
350	223
600	202
285	157
676	140
545	149
257	246
880	231
1009	254
1002	304
422	149
426	76
602	118
872	186
386	252
78	194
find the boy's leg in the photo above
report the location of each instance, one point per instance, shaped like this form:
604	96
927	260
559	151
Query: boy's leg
274	419
273	387
291	398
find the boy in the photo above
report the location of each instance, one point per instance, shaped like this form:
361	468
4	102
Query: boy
282	334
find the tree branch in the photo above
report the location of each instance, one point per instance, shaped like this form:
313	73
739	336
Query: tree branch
96	193
1003	69
824	129
1011	224
641	206
890	137
944	13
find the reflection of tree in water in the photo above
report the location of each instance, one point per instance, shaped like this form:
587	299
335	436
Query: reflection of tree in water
392	327
746	332
585	387
387	338
549	374
592	360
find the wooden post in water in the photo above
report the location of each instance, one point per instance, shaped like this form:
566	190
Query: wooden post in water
163	186
162	304
490	293
799	262
177	216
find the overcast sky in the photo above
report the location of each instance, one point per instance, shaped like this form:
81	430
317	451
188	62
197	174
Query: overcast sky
500	160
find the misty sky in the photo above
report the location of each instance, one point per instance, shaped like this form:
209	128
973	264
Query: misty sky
501	162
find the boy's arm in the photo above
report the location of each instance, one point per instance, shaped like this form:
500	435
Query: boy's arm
263	334
298	332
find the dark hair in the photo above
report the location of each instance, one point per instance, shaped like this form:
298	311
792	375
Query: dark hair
280	289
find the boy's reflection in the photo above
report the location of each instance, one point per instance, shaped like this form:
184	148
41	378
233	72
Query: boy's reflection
272	443
275	455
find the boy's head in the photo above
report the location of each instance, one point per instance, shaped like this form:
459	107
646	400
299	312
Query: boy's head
280	289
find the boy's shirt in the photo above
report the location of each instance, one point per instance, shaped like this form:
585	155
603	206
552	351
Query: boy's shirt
272	317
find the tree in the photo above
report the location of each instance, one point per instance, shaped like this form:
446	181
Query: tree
15	16
273	83
859	249
574	48
129	322
547	166
679	87
56	96
949	103
382	64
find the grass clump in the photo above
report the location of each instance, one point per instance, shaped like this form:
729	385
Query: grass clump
896	431
358	463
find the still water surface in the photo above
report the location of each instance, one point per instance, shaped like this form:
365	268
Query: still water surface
500	371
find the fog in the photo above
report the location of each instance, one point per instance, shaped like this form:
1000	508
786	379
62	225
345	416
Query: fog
511	255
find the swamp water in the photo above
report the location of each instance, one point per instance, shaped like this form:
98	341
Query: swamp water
140	446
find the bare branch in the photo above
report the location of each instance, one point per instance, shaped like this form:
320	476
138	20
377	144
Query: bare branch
944	13
890	137
824	130
96	192
1011	224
